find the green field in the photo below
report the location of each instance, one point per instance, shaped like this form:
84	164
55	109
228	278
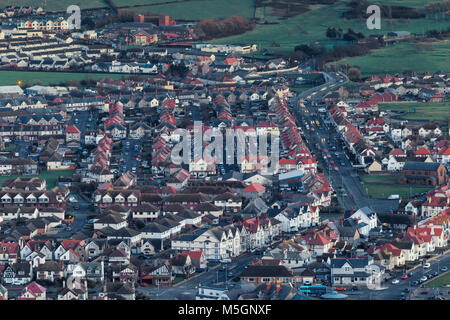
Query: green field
201	9
402	57
313	25
11	77
406	3
382	186
53	5
423	111
439	282
49	176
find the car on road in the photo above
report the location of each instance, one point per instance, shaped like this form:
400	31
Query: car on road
395	281
443	269
341	289
415	283
407	290
336	169
423	279
404	277
426	265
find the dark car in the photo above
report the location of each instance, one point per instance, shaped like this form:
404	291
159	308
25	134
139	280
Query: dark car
355	289
406	290
415	283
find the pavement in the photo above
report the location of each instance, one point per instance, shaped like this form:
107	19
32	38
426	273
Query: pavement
84	120
80	217
394	291
188	288
131	148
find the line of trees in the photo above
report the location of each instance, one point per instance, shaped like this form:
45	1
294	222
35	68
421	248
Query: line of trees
209	29
438	6
351	35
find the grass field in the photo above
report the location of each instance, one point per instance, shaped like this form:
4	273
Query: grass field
49	176
203	9
11	77
314	23
423	111
439	281
54	5
406	3
382	186
401	57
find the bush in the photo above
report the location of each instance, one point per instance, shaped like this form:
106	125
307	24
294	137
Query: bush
209	29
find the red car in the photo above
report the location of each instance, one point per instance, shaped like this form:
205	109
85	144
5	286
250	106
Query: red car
336	169
341	289
405	276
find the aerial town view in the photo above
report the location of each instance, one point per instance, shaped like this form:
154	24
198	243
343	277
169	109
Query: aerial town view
220	150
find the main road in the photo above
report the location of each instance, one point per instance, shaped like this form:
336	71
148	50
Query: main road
188	289
337	166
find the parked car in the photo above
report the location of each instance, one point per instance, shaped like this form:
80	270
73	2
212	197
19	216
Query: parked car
395	281
423	279
426	265
443	269
415	283
341	289
405	276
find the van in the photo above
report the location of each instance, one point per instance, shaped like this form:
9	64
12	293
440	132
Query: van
225	260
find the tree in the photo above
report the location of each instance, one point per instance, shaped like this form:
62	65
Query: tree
354	74
332	33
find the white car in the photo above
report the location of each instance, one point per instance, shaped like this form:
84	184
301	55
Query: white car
395	281
426	265
423	279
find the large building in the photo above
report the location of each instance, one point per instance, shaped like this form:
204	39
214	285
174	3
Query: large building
427	173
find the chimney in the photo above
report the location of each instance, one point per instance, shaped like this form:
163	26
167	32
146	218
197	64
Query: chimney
278	285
